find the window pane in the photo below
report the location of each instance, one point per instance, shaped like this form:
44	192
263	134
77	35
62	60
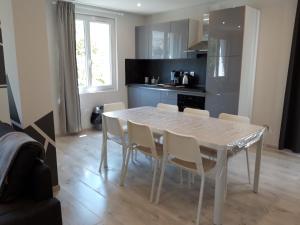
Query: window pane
100	54
81	54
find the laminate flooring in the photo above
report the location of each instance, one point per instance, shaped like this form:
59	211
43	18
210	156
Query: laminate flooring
90	198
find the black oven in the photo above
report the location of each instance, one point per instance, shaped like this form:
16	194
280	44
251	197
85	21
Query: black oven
190	101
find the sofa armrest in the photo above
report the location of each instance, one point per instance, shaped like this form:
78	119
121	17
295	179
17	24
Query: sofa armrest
41	185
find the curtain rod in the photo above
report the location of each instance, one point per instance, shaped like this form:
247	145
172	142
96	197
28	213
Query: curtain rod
91	6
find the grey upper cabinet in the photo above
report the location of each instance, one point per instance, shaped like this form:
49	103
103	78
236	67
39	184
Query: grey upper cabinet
142	42
159	40
168	40
178	38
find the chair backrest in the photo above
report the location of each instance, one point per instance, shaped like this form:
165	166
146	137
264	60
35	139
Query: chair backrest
183	147
168	107
113	126
141	135
236	118
196	112
114	106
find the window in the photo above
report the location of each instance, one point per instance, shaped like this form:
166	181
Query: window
95	53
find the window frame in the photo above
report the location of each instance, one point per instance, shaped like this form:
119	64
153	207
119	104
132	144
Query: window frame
88	61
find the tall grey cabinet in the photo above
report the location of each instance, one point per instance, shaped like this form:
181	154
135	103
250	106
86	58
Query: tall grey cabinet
231	61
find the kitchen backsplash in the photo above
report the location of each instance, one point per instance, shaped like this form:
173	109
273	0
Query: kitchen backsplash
137	69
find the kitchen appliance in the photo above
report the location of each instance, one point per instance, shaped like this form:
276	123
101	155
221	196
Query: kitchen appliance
175	77
190	101
185	79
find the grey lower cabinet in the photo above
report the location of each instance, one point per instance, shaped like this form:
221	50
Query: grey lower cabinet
140	96
168	97
134	99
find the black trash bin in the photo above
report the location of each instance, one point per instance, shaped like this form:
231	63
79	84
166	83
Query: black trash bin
96	117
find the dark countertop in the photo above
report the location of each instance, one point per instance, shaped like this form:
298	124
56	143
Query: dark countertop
197	91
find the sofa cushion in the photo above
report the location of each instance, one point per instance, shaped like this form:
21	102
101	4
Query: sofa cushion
31	213
18	177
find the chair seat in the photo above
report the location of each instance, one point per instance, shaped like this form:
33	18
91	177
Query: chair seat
212	153
147	151
207	164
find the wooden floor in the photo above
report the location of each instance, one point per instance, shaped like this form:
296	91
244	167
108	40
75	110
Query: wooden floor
89	198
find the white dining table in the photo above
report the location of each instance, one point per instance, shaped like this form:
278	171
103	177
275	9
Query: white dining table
221	135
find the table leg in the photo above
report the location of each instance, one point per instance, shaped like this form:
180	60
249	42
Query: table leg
103	157
257	164
220	187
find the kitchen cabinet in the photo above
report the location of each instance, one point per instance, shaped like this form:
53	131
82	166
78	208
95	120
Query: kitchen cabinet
134	97
168	97
149	97
168	40
138	97
159	40
178	39
231	60
142	42
143	96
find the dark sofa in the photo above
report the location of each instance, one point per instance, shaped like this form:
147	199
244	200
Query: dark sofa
28	200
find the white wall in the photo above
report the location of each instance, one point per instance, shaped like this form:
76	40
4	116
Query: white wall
4	109
53	60
125	28
32	59
8	34
274	44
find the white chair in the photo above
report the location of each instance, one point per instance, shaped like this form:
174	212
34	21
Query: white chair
196	112
240	119
116	133
140	138
168	107
184	152
113	106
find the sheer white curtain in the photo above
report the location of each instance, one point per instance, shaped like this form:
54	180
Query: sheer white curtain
69	94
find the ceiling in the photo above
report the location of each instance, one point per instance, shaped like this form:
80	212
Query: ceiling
147	6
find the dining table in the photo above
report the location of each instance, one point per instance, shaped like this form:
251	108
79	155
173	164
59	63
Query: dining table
220	135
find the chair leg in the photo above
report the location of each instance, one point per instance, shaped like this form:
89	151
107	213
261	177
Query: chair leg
200	200
124	170
162	173
248	166
153	180
124	149
181	176
101	160
189	179
132	156
226	182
